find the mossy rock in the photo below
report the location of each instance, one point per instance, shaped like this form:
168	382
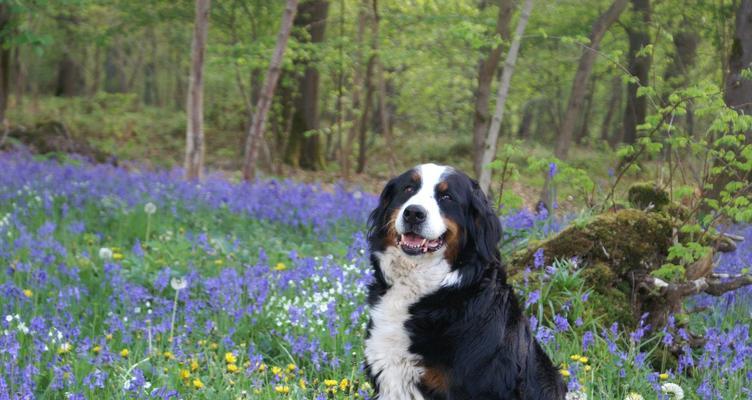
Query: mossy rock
646	196
625	240
611	248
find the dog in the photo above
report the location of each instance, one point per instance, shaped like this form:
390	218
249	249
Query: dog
444	324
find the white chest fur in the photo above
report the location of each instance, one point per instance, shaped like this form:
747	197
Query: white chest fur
387	348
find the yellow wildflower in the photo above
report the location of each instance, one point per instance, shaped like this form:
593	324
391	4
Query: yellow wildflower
344	383
663	376
584	359
197	383
194	365
232	368
117	256
96	349
564	372
230	358
282	389
124	353
218	262
64	348
588	368
108	336
330	382
185	374
276	370
28	293
574	357
280	266
262	367
168	355
214	346
302	383
291	367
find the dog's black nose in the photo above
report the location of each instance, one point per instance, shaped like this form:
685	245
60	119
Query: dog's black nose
414	214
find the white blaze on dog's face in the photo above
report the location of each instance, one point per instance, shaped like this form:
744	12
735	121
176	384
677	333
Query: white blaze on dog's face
419	224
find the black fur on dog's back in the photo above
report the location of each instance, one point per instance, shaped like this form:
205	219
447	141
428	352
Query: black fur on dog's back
472	339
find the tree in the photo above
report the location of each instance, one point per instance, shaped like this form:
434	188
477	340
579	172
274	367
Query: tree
256	129
639	67
195	145
738	86
5	57
585	67
304	144
738	90
489	149
486	72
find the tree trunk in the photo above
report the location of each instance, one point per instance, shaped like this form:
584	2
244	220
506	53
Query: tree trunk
151	94
5	57
738	88
195	145
639	67
738	91
585	119
486	72
363	125
523	132
356	85
304	145
69	79
489	147
256	130
585	67
612	108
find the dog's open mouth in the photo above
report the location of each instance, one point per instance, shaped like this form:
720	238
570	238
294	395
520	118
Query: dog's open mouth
414	244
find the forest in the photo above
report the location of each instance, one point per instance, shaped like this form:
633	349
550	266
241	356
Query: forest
184	186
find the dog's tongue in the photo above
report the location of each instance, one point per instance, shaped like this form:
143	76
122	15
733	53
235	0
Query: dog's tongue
412	239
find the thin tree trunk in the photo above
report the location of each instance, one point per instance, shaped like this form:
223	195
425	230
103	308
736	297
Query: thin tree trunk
486	72
738	88
639	67
612	108
304	147
256	130
5	64
385	122
585	67
523	132
195	145
363	125
585	119
356	85
489	149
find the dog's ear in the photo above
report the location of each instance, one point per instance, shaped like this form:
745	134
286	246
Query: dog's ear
377	220
484	229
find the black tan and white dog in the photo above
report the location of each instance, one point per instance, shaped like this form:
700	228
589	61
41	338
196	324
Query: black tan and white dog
444	323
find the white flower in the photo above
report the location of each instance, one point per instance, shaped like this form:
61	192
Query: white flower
105	253
22	327
634	396
9	318
178	283
576	396
150	208
674	389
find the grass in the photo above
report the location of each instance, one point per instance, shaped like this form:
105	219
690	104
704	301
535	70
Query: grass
271	309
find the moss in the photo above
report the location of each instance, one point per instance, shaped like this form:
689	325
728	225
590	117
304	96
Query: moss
646	195
626	240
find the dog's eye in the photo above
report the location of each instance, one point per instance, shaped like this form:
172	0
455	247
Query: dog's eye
444	197
409	189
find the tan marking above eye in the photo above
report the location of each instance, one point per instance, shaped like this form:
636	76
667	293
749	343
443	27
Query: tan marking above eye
443	186
415	176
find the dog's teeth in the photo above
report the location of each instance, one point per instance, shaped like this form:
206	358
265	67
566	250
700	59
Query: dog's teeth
423	243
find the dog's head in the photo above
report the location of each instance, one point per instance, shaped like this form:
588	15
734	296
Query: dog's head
433	209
